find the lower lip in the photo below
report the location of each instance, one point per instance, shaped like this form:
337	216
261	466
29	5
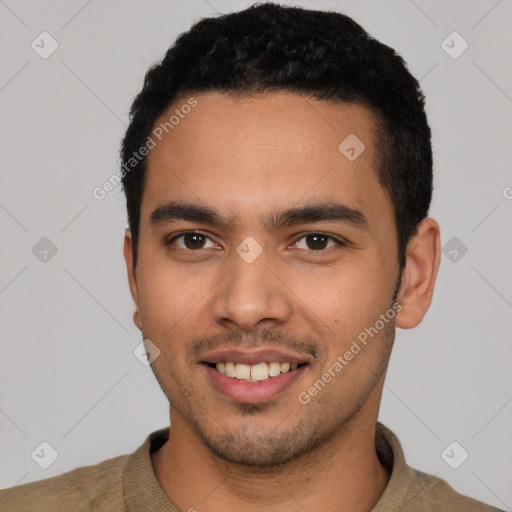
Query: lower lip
241	391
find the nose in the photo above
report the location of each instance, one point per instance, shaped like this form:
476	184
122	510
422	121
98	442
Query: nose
252	295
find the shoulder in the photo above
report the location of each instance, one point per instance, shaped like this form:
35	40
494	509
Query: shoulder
410	489
85	488
435	494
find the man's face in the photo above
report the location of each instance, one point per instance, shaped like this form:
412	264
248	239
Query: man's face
255	291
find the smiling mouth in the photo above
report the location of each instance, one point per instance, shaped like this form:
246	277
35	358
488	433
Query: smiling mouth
254	373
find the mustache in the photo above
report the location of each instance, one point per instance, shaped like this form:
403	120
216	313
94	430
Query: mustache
255	339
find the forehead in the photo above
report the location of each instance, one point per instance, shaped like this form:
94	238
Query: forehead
246	154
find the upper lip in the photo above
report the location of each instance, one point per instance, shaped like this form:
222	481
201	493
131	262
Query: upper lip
262	355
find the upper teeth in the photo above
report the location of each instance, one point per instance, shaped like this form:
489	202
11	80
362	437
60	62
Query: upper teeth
255	372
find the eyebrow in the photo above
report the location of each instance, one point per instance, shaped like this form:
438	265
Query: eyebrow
310	213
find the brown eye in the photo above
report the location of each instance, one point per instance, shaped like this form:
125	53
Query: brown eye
317	241
191	240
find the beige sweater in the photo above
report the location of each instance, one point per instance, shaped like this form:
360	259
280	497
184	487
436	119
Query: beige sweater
128	483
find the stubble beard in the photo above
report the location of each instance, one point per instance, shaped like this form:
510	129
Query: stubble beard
246	446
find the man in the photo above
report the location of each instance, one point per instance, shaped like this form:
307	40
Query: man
278	175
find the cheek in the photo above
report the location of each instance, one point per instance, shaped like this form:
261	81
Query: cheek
343	288
345	300
169	299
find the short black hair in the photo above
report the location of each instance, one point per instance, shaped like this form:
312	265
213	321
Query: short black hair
270	48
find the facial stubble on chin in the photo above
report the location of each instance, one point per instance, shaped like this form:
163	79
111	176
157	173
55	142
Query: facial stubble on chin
270	449
276	448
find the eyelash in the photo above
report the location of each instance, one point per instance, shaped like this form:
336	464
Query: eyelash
339	243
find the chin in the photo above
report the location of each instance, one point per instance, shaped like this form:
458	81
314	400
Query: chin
265	448
258	455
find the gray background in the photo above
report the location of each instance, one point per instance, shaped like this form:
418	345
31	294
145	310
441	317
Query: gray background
68	373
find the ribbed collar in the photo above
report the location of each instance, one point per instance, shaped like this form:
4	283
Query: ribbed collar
141	487
144	493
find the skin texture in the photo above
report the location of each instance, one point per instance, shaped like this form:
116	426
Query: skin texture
247	157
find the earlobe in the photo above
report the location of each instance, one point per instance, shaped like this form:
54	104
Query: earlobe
423	257
132	279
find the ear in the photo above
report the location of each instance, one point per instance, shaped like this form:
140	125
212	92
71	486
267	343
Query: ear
423	256
132	279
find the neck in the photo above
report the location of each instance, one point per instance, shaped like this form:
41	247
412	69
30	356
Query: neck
342	475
